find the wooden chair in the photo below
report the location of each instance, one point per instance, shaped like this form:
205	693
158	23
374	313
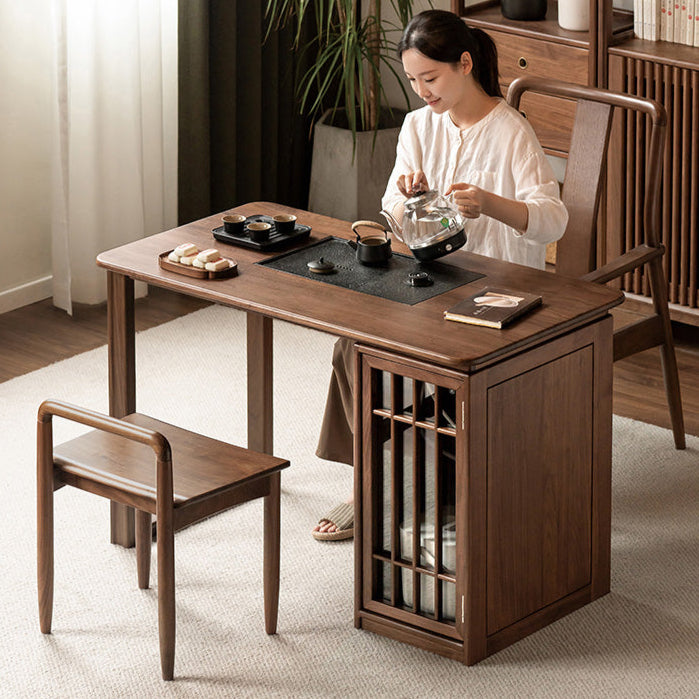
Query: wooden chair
115	460
576	253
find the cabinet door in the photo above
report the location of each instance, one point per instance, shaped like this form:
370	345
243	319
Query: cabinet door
410	447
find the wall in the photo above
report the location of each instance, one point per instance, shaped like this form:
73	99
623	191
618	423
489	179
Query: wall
25	76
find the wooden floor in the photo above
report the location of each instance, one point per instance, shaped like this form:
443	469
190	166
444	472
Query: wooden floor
39	334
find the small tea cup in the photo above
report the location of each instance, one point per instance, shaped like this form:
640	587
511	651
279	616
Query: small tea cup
285	223
259	231
233	223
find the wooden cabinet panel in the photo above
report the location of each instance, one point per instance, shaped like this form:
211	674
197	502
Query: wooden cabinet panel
538	516
552	120
519	55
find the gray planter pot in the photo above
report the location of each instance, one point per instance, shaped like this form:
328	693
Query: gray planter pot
345	188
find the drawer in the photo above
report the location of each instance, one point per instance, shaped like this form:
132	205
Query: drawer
551	118
518	56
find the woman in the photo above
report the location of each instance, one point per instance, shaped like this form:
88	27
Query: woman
467	142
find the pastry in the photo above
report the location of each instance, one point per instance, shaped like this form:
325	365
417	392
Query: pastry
218	265
187	260
209	255
186	250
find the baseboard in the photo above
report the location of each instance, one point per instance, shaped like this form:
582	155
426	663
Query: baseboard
23	295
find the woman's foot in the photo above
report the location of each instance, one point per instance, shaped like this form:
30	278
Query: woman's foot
338	524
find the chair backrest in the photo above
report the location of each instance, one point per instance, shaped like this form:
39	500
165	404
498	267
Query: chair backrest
576	252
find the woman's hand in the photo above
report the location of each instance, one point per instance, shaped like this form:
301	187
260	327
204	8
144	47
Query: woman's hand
412	183
468	199
472	201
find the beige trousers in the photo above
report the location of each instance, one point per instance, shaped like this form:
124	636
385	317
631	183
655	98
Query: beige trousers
336	433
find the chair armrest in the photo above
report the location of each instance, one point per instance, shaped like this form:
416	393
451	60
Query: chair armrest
99	421
624	263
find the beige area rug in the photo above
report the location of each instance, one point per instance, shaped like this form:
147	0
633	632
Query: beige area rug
642	640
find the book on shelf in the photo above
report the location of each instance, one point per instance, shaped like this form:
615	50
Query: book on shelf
492	307
674	21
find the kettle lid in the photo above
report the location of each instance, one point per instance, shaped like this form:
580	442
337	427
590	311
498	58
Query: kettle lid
420	199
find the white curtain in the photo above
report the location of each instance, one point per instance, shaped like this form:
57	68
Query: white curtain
114	175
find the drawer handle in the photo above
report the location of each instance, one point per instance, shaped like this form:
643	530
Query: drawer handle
522	62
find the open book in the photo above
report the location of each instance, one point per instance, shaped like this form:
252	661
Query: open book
492	307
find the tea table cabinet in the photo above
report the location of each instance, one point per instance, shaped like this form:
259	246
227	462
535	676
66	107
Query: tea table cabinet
483	456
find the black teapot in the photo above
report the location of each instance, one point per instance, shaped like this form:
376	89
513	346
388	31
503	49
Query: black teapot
371	249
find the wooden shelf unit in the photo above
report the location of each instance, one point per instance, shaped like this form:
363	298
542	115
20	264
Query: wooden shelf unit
614	58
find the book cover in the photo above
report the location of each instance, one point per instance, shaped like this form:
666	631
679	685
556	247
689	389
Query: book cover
492	307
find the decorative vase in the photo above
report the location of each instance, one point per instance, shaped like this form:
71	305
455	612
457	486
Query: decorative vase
526	10
574	15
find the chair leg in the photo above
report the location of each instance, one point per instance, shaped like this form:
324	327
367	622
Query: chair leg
667	352
44	529
672	389
144	540
272	521
166	593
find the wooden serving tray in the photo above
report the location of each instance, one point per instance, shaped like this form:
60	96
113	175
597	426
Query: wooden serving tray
190	271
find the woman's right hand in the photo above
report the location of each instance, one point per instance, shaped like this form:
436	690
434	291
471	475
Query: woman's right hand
412	183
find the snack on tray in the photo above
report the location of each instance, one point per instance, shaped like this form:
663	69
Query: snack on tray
187	260
218	265
173	257
209	255
185	250
196	262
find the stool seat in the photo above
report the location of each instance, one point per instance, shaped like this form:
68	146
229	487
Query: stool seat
158	469
122	470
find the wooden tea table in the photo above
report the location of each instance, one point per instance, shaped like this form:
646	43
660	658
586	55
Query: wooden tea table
521	471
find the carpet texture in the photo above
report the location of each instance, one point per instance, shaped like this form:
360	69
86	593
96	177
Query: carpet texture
642	640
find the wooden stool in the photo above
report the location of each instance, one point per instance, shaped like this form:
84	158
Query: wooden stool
115	461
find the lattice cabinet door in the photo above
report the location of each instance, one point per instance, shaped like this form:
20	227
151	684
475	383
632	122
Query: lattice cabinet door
412	437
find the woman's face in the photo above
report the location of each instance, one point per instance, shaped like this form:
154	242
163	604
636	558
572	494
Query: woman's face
441	85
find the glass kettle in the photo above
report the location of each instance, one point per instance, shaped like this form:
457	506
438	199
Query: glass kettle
431	226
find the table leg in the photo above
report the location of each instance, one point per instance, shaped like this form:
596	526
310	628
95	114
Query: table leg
122	381
260	409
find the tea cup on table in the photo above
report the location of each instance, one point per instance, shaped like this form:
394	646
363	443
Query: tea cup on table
233	223
259	231
285	223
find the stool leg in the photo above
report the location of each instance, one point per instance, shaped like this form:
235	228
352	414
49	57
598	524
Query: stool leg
166	591
44	529
144	540
271	553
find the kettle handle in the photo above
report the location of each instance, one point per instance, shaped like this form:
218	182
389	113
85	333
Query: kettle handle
368	224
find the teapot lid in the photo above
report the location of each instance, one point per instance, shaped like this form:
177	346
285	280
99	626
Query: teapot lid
419	200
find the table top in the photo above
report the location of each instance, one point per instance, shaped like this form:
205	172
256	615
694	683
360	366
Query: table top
418	331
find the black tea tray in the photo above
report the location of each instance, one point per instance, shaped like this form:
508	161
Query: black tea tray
276	240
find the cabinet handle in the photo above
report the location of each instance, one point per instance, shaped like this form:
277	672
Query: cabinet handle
522	62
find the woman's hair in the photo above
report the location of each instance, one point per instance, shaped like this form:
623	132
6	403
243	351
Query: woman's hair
443	36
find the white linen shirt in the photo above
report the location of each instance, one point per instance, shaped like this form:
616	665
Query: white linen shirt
500	154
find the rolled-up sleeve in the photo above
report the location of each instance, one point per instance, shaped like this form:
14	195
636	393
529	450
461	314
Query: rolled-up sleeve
538	189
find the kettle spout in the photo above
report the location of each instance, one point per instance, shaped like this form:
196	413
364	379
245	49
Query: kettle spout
394	225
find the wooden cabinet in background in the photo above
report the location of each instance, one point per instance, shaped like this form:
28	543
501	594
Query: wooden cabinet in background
608	55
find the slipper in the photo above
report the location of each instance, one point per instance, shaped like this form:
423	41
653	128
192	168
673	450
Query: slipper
342	517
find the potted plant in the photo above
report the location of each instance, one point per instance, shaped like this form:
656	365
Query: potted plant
355	130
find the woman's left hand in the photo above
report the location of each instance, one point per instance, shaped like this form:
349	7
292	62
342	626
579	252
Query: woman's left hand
468	198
